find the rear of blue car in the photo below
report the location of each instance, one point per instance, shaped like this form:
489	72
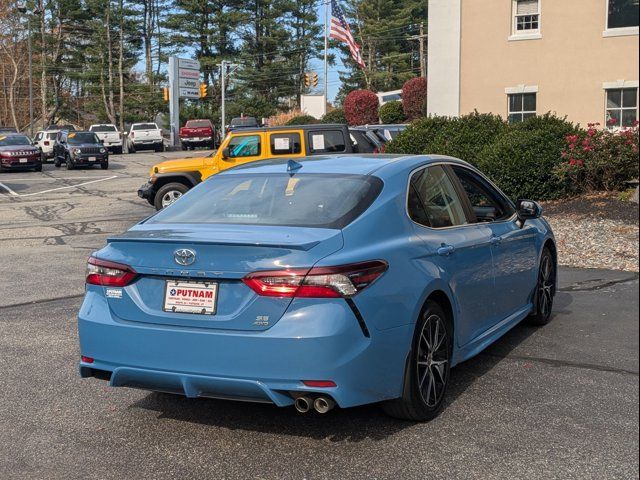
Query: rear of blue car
219	296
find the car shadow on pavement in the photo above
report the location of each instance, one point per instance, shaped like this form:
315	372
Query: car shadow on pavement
349	425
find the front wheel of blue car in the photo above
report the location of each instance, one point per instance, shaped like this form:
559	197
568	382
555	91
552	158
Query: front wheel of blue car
427	375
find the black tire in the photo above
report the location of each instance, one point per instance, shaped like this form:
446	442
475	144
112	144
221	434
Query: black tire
57	163
38	168
69	163
427	371
174	189
545	289
117	150
104	165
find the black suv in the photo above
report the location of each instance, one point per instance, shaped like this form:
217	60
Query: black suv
79	149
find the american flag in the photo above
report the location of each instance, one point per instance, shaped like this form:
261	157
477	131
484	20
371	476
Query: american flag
340	31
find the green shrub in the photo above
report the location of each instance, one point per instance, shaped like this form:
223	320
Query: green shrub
392	112
462	137
598	159
302	120
523	159
334	116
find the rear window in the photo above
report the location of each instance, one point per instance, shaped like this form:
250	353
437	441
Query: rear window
244	122
330	141
103	128
318	200
198	124
145	126
52	136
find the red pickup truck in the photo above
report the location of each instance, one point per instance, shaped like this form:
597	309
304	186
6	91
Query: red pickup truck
198	133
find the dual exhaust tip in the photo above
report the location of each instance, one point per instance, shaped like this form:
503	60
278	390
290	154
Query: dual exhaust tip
320	404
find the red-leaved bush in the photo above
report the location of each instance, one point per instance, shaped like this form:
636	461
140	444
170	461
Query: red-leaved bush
600	159
361	107
414	98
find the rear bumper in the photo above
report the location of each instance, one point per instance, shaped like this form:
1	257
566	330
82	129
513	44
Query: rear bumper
310	342
196	141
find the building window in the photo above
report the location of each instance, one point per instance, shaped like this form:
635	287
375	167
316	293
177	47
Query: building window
521	106
526	16
622	107
622	13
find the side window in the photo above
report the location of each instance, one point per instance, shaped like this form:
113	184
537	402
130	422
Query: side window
244	146
328	141
433	200
38	137
487	203
285	143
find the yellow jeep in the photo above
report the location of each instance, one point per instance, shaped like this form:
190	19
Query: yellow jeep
171	179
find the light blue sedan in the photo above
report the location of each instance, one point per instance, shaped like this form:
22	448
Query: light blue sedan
333	280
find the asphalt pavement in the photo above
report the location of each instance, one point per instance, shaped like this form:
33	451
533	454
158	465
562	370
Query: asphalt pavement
559	401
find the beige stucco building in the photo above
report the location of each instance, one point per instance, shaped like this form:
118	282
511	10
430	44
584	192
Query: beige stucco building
518	58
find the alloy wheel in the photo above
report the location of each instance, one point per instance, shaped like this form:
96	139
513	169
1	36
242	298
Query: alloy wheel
170	197
545	286
433	357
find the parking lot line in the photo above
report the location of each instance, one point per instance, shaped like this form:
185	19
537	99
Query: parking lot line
12	193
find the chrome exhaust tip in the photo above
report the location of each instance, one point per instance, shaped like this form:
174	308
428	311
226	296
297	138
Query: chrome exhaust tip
303	404
323	404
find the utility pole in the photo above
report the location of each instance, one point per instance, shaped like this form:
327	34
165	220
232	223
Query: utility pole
224	71
223	87
422	37
22	8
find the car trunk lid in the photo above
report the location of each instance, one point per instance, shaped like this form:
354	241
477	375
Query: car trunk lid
224	255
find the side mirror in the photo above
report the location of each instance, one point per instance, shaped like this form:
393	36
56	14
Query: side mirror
527	210
226	153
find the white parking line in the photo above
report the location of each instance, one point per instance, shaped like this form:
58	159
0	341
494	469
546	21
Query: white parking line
12	193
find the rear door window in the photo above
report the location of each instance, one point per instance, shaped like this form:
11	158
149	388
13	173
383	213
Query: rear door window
327	141
285	143
312	200
433	200
487	203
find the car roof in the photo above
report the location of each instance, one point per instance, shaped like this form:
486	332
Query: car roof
284	128
359	164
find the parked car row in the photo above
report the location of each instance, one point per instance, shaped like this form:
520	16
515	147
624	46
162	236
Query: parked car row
171	179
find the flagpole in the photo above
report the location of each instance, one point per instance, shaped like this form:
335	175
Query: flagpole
326	55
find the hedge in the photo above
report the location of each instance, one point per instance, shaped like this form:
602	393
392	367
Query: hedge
334	116
302	120
522	158
392	112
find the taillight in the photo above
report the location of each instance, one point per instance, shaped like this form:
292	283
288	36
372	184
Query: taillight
109	274
318	282
46	142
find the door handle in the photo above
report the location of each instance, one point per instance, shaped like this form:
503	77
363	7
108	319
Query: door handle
495	240
446	250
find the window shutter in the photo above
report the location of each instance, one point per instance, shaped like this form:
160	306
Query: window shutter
527	7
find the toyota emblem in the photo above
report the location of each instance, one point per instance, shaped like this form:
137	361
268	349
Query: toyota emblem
184	256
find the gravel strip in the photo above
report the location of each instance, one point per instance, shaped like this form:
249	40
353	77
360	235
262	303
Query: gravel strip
595	231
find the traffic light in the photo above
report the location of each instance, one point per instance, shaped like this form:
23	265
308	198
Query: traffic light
307	80
315	79
203	90
165	94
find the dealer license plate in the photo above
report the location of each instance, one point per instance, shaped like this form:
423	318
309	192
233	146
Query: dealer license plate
92	159
190	297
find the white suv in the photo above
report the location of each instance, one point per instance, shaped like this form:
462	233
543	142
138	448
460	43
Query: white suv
45	139
109	135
